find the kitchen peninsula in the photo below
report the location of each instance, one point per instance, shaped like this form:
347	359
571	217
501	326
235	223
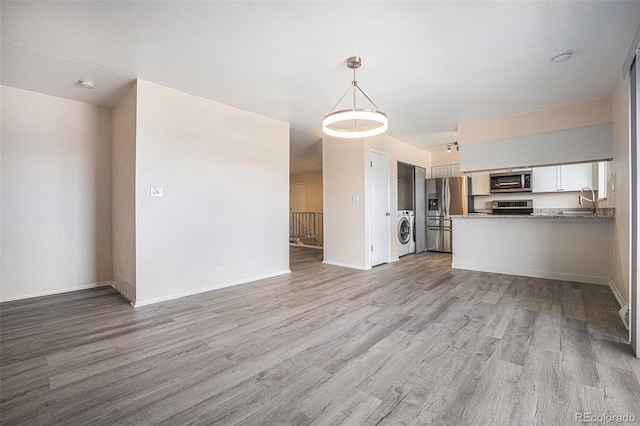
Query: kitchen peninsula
569	246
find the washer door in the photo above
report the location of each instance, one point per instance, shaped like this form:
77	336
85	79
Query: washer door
404	231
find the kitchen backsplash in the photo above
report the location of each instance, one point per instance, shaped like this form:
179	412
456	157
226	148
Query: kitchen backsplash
557	200
606	212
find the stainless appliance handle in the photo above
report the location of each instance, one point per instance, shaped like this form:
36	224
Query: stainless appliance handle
508	184
444	198
448	196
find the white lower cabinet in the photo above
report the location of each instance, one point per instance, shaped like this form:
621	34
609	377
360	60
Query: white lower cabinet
571	177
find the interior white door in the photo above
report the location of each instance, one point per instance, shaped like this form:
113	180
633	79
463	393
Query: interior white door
297	197
380	214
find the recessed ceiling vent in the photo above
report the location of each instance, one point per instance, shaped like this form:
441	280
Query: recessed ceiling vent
87	84
563	57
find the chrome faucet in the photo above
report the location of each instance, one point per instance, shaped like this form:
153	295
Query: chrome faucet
592	200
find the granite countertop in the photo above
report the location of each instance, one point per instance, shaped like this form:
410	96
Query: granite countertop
549	213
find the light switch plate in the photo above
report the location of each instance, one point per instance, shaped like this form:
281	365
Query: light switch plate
355	198
156	191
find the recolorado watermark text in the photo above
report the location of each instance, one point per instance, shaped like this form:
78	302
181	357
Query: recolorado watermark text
604	418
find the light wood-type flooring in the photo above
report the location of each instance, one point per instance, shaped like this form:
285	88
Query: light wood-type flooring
412	342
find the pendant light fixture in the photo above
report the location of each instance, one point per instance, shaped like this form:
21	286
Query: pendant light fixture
355	122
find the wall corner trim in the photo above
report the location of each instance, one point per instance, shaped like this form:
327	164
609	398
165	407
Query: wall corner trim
617	294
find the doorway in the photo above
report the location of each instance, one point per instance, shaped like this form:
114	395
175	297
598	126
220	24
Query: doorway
411	202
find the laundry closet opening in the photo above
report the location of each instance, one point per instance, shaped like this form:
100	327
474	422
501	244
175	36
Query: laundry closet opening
410	224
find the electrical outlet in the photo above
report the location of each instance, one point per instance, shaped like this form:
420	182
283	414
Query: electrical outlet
156	191
571	201
220	260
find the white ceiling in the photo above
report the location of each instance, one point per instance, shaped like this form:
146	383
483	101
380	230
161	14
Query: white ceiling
429	65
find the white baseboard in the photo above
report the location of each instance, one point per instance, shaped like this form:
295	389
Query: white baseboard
617	294
60	291
533	273
345	265
139	303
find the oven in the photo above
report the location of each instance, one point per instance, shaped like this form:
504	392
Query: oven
519	207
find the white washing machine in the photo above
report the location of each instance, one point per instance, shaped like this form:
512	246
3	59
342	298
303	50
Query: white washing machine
412	242
404	233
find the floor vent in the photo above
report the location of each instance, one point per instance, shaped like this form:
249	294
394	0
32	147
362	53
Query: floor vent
123	288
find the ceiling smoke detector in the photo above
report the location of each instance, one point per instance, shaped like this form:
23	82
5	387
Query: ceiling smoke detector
87	84
563	57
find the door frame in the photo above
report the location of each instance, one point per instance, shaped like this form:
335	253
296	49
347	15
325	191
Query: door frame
369	205
634	192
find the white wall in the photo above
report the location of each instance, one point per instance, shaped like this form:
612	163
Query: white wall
56	194
342	177
313	188
619	196
123	186
440	157
225	174
346	173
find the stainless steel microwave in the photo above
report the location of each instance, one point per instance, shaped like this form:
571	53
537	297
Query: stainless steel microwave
519	181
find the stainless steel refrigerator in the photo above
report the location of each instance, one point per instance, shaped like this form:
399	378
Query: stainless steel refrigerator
445	197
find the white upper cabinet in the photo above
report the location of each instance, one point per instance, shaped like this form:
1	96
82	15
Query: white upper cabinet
480	183
449	170
440	171
571	177
545	179
574	177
